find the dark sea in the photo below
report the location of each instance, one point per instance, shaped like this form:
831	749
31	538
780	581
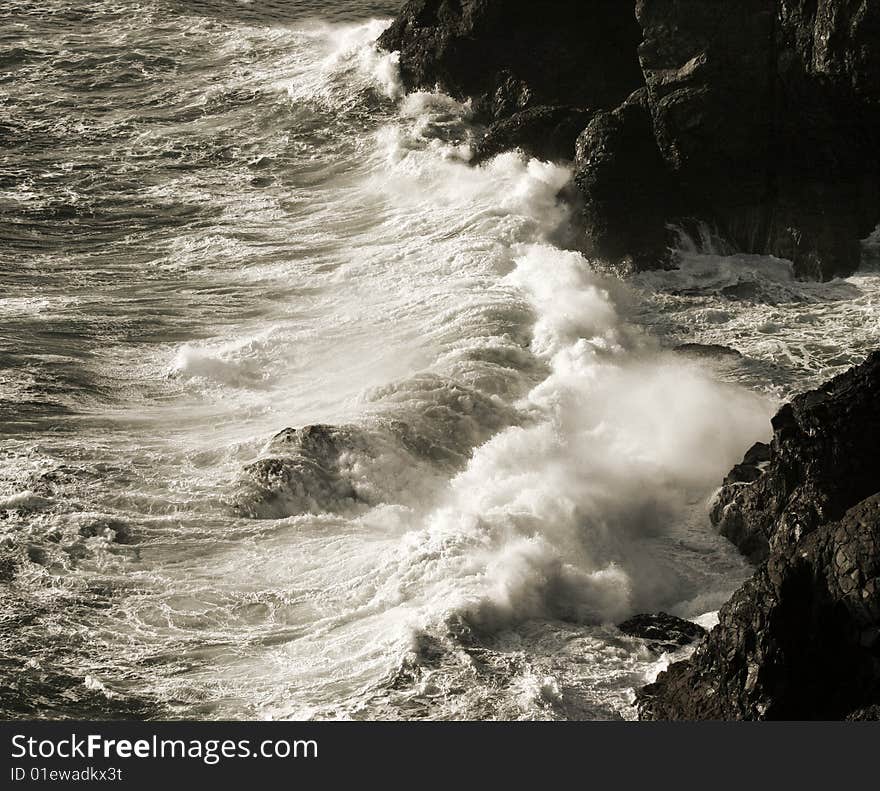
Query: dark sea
219	220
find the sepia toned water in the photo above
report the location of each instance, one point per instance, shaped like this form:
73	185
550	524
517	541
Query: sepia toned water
222	219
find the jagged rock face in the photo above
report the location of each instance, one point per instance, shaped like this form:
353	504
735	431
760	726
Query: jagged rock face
547	129
512	56
761	117
766	114
800	640
623	181
824	458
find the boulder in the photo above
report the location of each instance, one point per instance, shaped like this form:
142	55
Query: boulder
664	633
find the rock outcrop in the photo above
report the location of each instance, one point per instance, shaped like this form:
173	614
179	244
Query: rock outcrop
824	459
529	68
760	118
766	113
801	639
624	183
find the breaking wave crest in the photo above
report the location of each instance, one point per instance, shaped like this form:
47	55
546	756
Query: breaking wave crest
355	431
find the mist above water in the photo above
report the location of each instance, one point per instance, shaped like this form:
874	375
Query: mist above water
269	234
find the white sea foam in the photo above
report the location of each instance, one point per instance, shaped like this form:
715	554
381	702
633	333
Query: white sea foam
550	519
24	500
529	464
794	334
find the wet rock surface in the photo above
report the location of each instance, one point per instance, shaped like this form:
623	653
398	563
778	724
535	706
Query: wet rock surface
547	131
824	458
308	466
760	118
664	633
624	181
801	639
534	72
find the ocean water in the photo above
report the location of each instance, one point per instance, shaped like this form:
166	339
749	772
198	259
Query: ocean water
224	219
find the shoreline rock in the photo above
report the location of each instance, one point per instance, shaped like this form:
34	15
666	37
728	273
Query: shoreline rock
822	461
801	639
759	118
527	71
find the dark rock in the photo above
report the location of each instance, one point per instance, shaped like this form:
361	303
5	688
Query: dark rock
797	641
801	639
710	350
760	117
766	114
547	132
824	458
534	78
625	187
665	633
509	55
749	469
743	473
759	453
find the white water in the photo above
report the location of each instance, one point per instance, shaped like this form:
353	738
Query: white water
559	458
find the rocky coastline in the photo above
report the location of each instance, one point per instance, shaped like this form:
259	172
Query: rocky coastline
760	120
801	639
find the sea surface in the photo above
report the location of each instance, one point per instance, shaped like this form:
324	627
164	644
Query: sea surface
219	220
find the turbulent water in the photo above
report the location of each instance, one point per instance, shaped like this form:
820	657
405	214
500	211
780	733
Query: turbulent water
222	219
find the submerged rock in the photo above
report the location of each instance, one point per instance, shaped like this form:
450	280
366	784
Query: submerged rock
665	633
801	639
707	350
349	468
307	471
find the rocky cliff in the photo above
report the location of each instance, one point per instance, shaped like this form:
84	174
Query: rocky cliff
760	117
823	460
536	74
801	639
